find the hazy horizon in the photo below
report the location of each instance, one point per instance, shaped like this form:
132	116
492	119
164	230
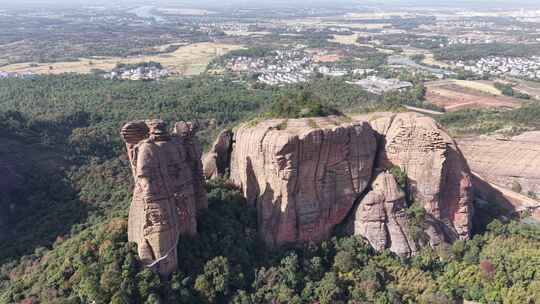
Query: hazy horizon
283	3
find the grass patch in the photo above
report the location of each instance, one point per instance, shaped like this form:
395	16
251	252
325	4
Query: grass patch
282	125
312	124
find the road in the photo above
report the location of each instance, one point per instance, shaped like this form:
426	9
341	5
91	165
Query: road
423	111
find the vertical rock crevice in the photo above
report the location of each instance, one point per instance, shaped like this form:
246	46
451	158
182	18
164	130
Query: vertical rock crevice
311	175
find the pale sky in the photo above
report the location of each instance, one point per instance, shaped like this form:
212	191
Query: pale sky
192	3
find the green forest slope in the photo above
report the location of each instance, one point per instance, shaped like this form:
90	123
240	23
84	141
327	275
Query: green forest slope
70	243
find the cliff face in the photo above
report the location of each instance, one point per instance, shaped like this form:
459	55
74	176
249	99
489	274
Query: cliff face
303	175
380	217
306	175
505	170
216	162
511	163
169	190
438	174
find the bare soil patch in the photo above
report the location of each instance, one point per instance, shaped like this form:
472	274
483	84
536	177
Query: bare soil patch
187	60
453	96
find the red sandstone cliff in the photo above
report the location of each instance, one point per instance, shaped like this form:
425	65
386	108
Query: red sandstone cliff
438	175
303	175
306	176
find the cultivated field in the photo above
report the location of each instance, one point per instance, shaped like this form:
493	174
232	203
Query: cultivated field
243	33
430	60
529	87
187	60
346	39
482	86
327	23
455	95
370	15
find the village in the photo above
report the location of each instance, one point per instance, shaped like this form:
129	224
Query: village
26	75
289	66
142	72
526	68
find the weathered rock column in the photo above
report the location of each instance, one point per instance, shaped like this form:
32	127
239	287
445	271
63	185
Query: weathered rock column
438	175
167	194
381	218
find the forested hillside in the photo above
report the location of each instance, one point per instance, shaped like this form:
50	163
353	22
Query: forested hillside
69	241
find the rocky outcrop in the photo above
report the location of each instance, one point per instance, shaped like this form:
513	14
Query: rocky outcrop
513	202
168	192
438	175
186	131
217	161
511	163
303	175
380	217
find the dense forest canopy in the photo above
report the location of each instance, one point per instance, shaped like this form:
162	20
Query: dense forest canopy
477	51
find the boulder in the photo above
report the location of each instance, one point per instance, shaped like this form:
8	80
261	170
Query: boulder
381	217
303	175
438	175
217	161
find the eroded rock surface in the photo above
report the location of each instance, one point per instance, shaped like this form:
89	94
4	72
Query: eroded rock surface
303	175
381	217
511	163
438	175
168	192
217	161
306	175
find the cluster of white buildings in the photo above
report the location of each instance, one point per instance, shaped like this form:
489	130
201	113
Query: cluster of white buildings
25	75
140	73
528	68
282	67
378	86
288	66
468	40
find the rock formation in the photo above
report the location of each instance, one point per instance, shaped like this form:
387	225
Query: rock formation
168	190
513	202
187	132
303	175
511	163
380	217
217	161
438	175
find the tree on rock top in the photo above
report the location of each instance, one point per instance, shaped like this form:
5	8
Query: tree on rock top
298	105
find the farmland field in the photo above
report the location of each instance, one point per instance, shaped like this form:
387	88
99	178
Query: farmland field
483	86
456	95
346	39
187	60
430	60
529	87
